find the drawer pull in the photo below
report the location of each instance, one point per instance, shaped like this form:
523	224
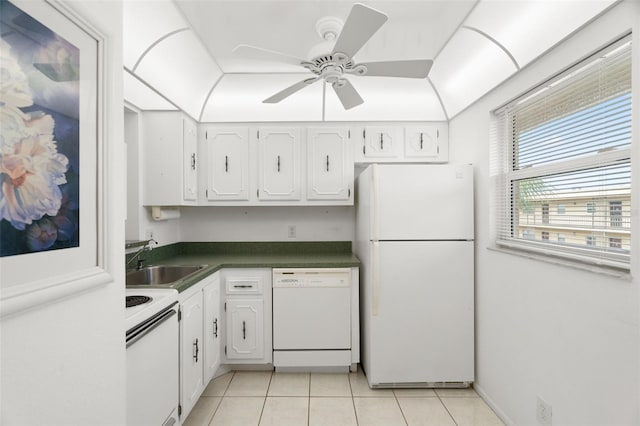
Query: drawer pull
242	286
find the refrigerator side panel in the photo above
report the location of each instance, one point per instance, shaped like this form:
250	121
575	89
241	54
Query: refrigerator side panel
422	319
425	202
364	205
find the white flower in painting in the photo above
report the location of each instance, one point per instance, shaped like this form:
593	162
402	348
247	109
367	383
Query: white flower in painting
30	166
14	85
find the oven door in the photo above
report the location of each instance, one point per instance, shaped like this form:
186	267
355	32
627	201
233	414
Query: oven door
152	371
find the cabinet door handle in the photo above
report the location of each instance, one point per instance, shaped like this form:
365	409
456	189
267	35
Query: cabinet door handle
381	141
195	355
327	163
193	161
421	142
215	328
226	164
278	164
244	330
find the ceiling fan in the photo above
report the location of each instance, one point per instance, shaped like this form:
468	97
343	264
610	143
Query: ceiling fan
362	23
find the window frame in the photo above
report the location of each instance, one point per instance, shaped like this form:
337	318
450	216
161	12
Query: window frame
505	174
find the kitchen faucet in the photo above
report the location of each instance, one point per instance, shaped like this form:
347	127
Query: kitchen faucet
146	246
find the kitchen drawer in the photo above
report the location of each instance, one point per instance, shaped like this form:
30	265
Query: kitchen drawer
244	285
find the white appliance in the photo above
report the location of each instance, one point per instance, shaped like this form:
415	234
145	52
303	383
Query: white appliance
152	357
311	318
414	237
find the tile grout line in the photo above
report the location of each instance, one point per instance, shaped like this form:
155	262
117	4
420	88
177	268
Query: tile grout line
309	402
445	407
353	401
233	373
406	422
264	403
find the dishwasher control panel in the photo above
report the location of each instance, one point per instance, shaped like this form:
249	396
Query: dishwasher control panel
311	277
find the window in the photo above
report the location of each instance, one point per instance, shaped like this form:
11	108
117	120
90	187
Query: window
545	213
615	243
615	213
568	143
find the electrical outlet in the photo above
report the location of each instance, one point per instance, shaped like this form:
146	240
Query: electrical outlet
291	231
543	412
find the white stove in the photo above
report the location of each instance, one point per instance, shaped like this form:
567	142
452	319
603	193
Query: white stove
152	334
159	300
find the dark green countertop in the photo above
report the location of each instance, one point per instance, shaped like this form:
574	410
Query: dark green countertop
248	255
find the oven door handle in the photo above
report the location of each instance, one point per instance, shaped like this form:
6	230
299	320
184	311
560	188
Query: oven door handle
150	327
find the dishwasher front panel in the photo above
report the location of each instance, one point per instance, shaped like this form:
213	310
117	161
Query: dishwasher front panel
312	315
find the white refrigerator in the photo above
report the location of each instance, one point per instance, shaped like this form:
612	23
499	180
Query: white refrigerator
414	237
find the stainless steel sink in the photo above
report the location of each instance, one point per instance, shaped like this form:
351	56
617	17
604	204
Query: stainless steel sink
161	274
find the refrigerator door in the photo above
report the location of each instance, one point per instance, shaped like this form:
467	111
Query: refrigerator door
422	202
419	314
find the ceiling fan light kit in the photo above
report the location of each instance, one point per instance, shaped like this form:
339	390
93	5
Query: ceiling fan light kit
361	24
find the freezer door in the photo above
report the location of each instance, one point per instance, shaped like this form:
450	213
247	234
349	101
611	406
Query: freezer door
422	202
419	326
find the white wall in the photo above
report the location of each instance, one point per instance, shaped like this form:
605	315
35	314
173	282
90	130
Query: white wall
267	223
567	335
64	363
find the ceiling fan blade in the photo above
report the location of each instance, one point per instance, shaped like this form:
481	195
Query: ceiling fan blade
418	68
290	90
347	94
254	52
361	24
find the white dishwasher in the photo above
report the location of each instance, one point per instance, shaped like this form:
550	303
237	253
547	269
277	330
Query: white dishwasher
311	318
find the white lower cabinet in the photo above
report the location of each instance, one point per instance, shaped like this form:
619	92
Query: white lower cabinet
245	322
248	316
199	341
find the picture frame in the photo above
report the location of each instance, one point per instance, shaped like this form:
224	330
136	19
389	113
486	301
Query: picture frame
32	279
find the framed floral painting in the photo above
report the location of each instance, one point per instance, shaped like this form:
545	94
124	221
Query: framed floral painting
39	162
51	161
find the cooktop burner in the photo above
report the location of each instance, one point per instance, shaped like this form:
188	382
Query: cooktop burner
137	300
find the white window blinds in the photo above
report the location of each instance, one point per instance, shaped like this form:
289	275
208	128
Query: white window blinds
560	163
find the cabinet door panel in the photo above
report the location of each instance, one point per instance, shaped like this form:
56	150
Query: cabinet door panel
279	163
190	173
330	167
228	164
191	351
212	324
382	142
245	324
426	143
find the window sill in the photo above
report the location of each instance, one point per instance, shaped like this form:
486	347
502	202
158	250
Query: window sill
602	270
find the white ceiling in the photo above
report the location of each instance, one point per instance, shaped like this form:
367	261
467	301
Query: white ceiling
183	50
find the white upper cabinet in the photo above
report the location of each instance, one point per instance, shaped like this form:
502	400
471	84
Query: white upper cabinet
398	143
169	159
382	142
329	164
227	164
278	164
426	143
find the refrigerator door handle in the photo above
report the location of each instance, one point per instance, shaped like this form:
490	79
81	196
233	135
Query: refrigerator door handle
375	299
374	203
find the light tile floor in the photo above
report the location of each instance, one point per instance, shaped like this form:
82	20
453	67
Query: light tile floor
259	398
